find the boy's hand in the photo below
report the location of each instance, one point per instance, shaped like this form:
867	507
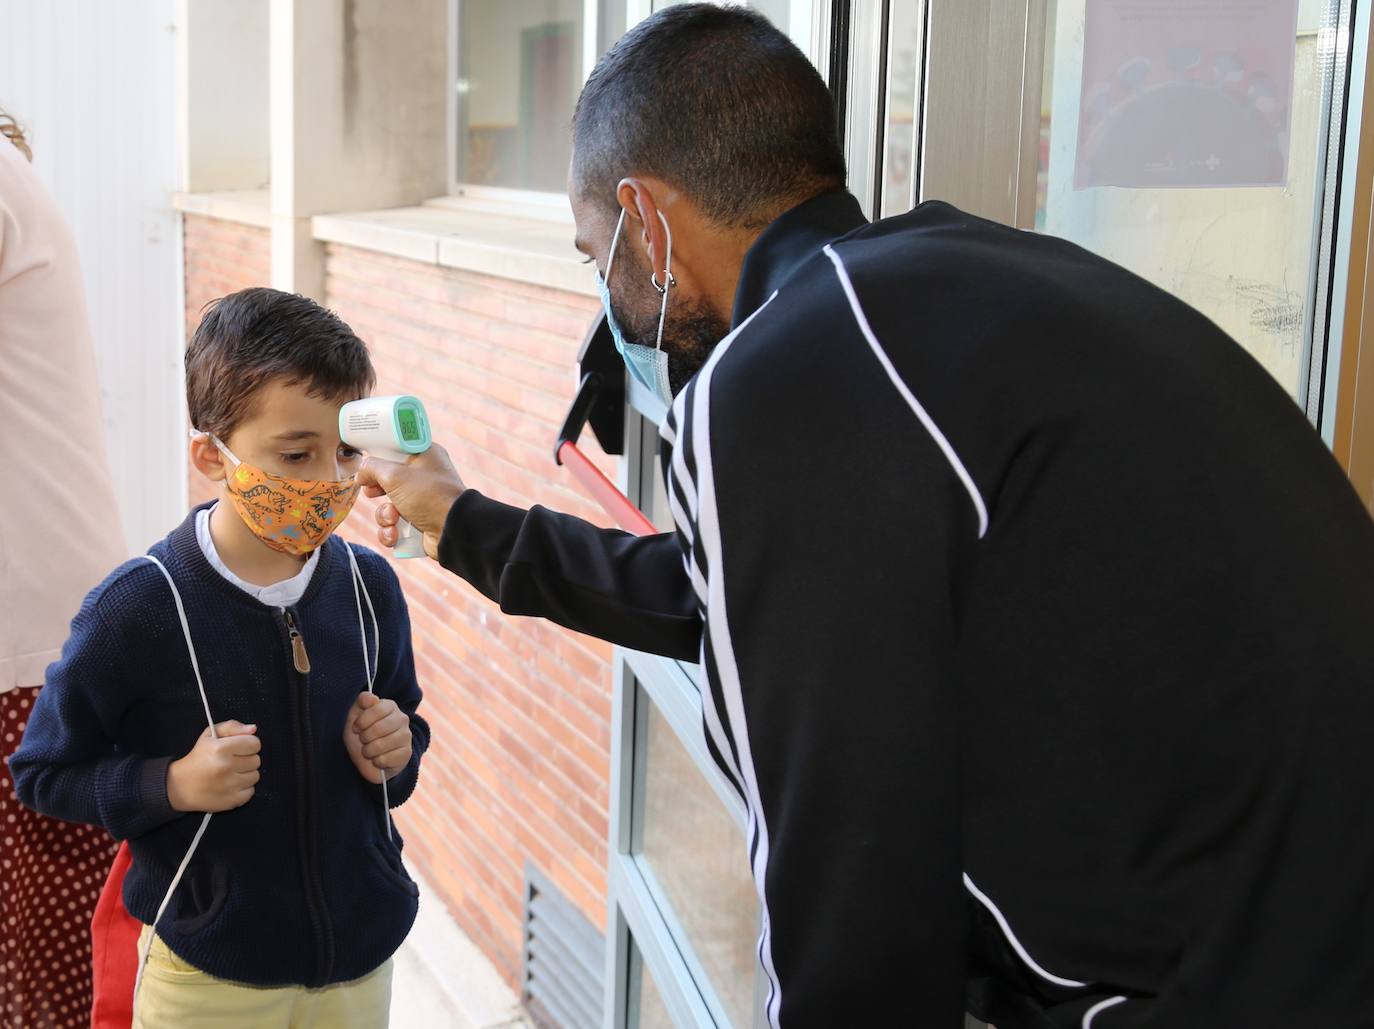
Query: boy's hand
377	735
219	774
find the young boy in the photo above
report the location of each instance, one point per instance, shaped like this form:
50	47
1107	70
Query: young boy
295	899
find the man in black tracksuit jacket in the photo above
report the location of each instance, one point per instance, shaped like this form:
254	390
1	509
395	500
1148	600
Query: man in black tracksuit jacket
1036	624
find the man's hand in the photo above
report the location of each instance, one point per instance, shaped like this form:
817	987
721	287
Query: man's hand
219	774
421	491
377	735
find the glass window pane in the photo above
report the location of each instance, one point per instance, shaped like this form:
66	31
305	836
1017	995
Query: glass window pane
1242	255
519	73
696	852
792	16
647	1010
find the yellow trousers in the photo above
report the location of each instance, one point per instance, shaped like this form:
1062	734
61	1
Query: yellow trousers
177	995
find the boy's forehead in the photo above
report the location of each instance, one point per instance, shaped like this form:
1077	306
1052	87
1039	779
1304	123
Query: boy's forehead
287	410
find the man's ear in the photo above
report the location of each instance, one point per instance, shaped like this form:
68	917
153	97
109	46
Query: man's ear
643	226
207	459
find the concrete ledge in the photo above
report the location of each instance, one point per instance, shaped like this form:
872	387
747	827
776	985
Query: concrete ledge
527	249
442	979
244	206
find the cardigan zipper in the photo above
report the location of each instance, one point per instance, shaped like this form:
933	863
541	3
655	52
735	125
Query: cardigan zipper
299	656
307	837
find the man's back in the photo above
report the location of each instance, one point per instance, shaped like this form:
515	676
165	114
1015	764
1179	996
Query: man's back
1101	612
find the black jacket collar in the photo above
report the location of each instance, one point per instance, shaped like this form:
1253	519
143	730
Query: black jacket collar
788	241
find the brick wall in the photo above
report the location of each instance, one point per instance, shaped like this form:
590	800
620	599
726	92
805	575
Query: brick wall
221	257
520	709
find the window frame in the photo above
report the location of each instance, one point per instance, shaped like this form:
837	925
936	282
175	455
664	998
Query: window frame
592	24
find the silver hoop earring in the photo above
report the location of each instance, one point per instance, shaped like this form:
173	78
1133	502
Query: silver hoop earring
661	289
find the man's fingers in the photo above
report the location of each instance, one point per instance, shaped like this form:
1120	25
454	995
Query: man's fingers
387	516
378	472
422	490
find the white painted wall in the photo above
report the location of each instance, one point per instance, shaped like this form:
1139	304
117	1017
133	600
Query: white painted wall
225	128
95	83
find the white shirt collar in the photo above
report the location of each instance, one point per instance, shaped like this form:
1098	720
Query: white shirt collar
278	594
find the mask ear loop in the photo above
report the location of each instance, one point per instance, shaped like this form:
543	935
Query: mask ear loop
667	280
369	668
610	254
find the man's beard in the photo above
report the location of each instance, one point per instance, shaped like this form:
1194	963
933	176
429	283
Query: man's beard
690	332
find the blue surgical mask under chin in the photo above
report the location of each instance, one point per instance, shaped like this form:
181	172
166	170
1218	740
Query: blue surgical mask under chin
649	365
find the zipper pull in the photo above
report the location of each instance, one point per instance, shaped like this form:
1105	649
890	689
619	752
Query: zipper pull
299	656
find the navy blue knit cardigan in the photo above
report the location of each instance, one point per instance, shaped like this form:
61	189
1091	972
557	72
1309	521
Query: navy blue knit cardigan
300	885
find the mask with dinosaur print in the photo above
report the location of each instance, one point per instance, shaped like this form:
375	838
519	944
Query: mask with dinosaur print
294	516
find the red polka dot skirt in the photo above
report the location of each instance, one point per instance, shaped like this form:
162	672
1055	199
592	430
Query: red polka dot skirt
51	873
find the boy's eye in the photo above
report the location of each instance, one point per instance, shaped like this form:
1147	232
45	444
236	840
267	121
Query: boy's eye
349	454
297	457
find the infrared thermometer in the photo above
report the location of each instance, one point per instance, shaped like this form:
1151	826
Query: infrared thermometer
391	428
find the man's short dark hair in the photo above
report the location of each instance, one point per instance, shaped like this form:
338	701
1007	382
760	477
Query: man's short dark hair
256	336
715	101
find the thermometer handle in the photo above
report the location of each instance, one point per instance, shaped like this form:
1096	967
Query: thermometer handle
409	541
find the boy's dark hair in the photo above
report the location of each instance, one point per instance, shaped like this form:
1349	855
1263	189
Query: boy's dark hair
715	101
255	336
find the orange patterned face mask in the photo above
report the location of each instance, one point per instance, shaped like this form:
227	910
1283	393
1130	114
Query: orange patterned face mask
294	516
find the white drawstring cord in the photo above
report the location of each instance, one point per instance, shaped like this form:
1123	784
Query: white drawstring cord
369	667
147	947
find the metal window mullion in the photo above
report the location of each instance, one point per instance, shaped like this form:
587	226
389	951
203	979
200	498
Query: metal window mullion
979	127
451	103
621	796
652	936
1331	143
863	96
1362	37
